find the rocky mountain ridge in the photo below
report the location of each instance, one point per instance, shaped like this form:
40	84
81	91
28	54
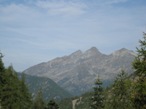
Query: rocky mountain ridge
78	71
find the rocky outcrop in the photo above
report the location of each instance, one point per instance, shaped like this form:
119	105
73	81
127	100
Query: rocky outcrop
78	71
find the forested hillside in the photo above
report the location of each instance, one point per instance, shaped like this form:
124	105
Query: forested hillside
49	88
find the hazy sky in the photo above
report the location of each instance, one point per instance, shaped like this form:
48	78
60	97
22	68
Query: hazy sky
34	31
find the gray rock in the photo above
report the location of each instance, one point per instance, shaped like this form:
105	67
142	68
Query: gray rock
78	71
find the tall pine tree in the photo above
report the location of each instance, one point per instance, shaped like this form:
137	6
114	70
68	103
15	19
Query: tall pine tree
38	101
120	94
11	94
97	100
139	66
25	100
2	69
52	105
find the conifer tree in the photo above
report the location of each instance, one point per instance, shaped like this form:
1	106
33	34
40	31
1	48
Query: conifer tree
38	101
11	96
52	105
1	63
119	96
97	100
2	70
139	66
25	100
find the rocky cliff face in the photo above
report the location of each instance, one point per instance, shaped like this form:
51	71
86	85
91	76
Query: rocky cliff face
78	71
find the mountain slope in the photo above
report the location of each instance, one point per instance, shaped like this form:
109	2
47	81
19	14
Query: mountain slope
77	72
48	87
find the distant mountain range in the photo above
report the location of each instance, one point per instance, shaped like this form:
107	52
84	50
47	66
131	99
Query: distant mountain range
77	72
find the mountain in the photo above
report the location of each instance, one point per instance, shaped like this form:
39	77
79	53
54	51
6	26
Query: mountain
48	87
78	71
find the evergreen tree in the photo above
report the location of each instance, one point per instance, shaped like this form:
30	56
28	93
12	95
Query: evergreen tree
119	96
2	70
52	105
1	63
11	96
25	95
139	65
98	96
38	101
67	101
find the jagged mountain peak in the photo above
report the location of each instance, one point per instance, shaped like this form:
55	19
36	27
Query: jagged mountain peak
92	51
123	52
77	71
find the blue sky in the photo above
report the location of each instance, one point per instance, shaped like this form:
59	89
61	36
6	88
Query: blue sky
34	31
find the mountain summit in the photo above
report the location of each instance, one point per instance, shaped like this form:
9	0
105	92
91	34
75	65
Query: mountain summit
92	52
123	52
78	71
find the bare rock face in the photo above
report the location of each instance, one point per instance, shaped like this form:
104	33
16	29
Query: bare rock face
78	71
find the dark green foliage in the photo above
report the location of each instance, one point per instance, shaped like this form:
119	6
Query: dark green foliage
140	71
2	69
38	101
98	96
65	103
1	63
140	61
119	97
84	101
10	92
52	105
25	95
13	92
